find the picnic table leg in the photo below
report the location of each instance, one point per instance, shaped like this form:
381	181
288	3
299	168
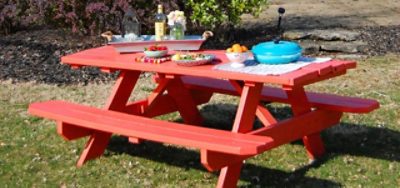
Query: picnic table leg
244	120
184	101
300	105
262	113
229	176
98	141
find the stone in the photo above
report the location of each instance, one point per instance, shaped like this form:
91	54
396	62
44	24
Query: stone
309	47
334	35
296	35
326	35
57	53
345	47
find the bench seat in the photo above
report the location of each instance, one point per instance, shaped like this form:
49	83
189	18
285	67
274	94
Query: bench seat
151	129
271	94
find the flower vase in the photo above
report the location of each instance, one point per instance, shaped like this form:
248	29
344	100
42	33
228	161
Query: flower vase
177	32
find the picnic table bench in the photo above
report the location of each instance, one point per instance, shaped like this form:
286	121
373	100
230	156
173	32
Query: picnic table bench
182	89
272	94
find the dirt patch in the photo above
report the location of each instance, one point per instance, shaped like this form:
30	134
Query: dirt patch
35	56
322	14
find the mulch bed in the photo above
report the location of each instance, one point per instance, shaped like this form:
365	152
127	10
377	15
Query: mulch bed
35	55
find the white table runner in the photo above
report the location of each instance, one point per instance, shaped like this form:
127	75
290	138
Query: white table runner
252	67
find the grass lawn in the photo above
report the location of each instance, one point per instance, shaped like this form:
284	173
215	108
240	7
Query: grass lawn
363	151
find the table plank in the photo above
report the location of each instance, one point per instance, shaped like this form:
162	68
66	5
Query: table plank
106	58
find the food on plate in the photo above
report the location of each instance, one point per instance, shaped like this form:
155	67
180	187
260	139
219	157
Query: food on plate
156	48
237	48
176	57
191	57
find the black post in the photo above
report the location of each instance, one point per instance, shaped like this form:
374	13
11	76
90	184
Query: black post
281	11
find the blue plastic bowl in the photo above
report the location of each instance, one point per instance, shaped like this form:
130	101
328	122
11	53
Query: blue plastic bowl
276	53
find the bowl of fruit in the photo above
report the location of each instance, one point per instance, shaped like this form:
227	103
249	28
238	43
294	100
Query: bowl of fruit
155	51
237	55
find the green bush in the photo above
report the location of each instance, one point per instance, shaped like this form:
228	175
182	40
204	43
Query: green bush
94	16
213	13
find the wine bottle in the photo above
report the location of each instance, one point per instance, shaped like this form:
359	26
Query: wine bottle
160	24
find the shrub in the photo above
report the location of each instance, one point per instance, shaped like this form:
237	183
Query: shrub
94	16
213	13
15	14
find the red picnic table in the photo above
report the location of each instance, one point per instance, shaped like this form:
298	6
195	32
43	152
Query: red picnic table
181	89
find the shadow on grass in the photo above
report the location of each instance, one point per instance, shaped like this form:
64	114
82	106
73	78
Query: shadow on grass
345	139
190	159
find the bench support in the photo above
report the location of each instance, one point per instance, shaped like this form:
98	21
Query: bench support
95	147
229	176
72	132
184	101
244	120
98	141
298	100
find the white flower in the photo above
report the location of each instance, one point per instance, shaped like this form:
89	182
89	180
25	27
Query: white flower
177	17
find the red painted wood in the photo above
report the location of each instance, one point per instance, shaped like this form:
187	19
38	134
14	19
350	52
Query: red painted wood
107	70
295	128
122	90
243	123
213	161
107	58
218	148
238	86
136	107
318	100
159	90
246	111
151	129
94	147
321	68
72	132
265	116
98	141
229	176
184	101
75	67
298	100
164	104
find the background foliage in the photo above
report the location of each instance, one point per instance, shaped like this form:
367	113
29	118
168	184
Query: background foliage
94	16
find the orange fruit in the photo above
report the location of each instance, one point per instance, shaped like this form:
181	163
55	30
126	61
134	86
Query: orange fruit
229	50
236	45
237	48
244	49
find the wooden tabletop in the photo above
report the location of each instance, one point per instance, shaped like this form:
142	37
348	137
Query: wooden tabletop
107	58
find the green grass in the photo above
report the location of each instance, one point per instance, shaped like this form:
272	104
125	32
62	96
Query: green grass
363	151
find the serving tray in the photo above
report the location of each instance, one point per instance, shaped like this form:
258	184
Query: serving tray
123	45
